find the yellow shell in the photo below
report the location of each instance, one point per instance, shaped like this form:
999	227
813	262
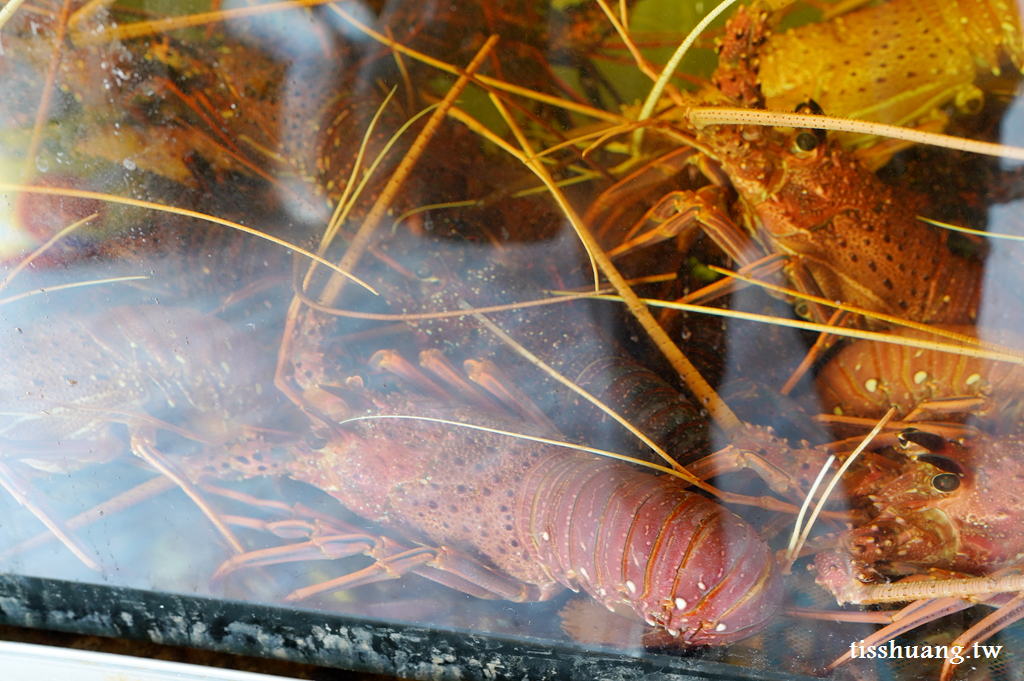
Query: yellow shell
895	62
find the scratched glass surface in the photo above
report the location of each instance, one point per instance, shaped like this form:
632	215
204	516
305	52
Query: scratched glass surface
239	247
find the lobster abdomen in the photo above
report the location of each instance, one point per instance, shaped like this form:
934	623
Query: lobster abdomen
678	560
549	516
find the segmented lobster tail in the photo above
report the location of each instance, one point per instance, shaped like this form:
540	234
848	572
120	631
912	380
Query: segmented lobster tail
680	561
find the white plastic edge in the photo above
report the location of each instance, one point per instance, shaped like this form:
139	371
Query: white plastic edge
28	662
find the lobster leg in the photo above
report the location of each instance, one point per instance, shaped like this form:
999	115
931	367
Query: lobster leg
605	211
392	561
489	376
684	210
146	490
393	362
948	406
911	617
442	565
762	453
19	488
435	361
983	630
143	447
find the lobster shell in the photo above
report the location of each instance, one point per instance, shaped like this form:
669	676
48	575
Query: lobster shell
550	517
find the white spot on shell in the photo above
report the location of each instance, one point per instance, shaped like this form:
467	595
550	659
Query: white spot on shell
920	377
720	627
545	536
583	571
681	604
871	385
700	585
973	378
631	586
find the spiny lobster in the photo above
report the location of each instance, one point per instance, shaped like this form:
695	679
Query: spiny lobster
499	517
868	377
897	62
844	234
70	379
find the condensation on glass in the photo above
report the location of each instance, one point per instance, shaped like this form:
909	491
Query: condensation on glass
290	303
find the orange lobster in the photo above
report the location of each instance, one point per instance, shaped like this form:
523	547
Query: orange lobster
844	234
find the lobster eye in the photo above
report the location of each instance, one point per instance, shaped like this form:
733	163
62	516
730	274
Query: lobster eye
806	141
946	482
423	272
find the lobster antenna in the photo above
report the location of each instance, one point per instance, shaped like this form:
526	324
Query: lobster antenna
999	353
64	287
769	503
149	205
704	116
524	436
790	555
945	588
795	547
673	64
42	249
889	319
571	385
440	314
344	203
8	11
968	230
361	241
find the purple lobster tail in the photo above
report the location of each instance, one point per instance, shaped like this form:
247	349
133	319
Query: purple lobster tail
678	560
501	517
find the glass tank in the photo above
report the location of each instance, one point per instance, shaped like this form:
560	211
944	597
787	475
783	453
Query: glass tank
499	338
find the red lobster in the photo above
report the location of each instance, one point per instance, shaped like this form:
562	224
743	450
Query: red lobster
944	509
950	514
500	517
